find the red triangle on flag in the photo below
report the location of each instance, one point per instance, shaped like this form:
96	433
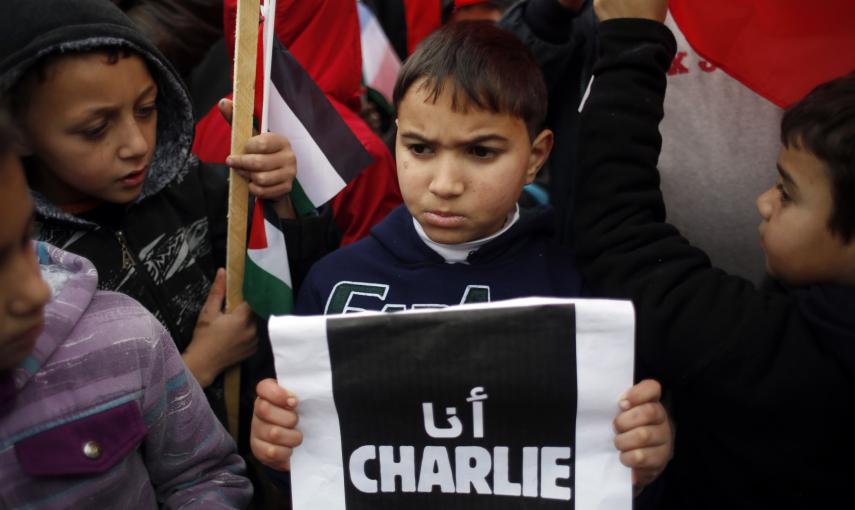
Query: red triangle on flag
257	236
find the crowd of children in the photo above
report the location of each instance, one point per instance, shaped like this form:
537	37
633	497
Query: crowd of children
113	338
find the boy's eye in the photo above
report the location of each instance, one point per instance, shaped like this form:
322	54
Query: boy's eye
146	111
420	149
785	197
481	152
95	132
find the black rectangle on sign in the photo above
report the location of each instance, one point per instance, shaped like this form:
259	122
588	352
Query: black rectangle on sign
444	410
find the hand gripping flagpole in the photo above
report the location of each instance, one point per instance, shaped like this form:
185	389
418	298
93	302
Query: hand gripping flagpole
246	44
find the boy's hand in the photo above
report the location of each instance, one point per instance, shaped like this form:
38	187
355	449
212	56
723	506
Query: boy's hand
269	164
647	9
220	339
643	433
272	436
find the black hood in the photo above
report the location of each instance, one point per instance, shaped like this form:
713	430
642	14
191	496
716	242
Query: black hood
35	29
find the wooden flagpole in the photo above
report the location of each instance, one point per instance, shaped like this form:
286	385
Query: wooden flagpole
246	44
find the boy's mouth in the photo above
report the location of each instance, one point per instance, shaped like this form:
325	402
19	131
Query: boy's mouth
134	179
443	219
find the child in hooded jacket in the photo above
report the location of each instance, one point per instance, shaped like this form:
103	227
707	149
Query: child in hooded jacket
106	130
96	408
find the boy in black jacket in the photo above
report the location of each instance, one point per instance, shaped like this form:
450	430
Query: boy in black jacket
762	383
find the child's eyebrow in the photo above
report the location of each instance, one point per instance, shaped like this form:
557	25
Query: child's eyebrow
98	111
472	141
148	90
485	138
786	176
415	136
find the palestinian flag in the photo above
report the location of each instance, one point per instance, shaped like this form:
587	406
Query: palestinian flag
267	277
780	49
328	153
380	63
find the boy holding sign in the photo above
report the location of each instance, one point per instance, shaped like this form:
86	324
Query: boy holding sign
471	103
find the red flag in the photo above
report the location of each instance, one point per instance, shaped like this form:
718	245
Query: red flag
780	49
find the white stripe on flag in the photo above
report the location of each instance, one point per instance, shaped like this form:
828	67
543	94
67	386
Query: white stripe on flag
315	173
270	259
380	64
604	345
316	473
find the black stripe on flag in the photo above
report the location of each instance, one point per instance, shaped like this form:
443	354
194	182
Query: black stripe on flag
308	102
385	367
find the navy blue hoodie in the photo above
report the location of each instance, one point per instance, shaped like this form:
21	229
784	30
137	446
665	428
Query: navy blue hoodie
393	269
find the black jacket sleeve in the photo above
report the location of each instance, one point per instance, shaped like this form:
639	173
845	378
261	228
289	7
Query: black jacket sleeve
308	239
557	38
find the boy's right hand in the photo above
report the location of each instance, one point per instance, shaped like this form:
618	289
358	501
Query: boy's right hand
272	435
220	339
647	9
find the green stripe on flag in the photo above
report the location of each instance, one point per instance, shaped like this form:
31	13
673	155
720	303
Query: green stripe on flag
302	204
266	294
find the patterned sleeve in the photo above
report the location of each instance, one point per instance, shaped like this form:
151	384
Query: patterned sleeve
192	461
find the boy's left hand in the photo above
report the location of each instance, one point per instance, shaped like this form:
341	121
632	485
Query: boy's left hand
268	164
644	435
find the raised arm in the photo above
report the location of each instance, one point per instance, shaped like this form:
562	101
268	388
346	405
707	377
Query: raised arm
692	319
559	34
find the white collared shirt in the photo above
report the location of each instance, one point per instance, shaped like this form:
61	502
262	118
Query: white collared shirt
458	253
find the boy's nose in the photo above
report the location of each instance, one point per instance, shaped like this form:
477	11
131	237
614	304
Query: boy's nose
766	203
446	181
32	291
134	143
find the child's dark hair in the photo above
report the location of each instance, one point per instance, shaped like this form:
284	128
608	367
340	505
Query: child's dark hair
823	123
484	65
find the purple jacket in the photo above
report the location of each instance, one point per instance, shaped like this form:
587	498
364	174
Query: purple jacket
104	414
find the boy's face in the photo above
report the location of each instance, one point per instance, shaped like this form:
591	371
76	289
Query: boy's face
800	249
461	172
23	293
91	126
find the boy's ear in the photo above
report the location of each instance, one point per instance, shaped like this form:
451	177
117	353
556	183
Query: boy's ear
541	147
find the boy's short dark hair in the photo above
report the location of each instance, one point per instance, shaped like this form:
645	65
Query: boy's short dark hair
484	65
823	123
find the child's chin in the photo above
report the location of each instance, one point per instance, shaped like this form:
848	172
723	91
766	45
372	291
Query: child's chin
124	197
